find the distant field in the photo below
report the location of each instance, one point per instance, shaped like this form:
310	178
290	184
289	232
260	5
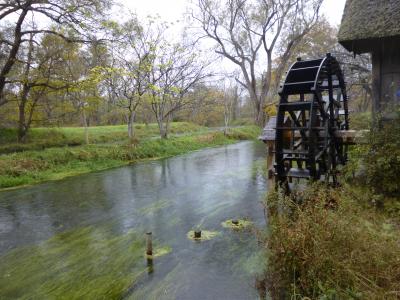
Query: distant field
41	138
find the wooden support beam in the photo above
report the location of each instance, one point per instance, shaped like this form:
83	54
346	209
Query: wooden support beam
352	137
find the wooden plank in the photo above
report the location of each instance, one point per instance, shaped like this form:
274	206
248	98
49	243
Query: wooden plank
352	136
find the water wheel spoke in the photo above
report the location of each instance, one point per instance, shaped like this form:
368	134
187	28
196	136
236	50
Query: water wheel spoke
313	105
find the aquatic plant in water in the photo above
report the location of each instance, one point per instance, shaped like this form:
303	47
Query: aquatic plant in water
205	235
158	252
85	263
236	224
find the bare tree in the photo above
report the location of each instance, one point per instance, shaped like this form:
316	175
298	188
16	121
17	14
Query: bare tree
229	100
240	28
205	105
358	71
176	71
67	19
133	58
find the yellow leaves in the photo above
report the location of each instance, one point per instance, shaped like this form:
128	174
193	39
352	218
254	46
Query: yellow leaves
175	90
154	88
96	75
270	109
110	24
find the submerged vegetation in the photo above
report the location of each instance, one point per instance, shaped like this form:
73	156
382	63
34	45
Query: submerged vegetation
206	235
102	253
237	224
30	167
87	262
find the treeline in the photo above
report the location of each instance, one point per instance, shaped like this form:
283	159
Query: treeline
70	63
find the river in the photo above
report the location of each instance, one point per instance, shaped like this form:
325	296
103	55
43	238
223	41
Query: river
84	237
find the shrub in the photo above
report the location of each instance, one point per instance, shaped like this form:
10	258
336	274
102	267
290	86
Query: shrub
206	138
243	122
381	161
244	133
323	244
360	121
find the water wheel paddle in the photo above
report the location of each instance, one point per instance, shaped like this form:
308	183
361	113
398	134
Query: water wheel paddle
312	107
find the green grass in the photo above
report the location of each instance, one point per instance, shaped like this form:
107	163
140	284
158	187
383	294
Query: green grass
33	166
42	138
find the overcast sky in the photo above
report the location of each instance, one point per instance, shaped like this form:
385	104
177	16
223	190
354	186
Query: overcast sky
171	10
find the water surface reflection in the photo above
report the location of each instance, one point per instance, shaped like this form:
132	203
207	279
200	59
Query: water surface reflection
86	233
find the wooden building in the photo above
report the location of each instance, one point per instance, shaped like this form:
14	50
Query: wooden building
373	26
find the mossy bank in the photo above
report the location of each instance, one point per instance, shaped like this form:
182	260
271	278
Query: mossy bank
35	166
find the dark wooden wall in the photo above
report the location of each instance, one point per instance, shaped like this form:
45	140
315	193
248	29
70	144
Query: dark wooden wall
386	75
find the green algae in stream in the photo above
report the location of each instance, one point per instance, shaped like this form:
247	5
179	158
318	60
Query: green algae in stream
155	206
166	289
205	235
259	167
158	252
241	224
86	263
252	264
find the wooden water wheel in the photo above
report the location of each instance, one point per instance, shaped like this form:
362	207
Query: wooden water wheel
312	108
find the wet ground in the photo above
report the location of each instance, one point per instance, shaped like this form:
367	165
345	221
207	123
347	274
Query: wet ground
84	237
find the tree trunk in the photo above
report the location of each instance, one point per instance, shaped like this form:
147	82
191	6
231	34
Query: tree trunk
226	123
163	125
21	122
24	119
11	59
255	99
235	103
85	125
265	90
131	120
227	112
163	130
368	96
22	127
167	128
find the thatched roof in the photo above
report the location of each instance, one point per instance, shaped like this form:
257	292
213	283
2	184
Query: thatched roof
364	20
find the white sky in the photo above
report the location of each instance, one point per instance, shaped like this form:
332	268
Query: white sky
172	10
333	10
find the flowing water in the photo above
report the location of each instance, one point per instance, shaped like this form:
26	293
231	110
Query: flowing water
84	237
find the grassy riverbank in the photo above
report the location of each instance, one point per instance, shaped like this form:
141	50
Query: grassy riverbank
342	243
332	244
42	138
35	166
